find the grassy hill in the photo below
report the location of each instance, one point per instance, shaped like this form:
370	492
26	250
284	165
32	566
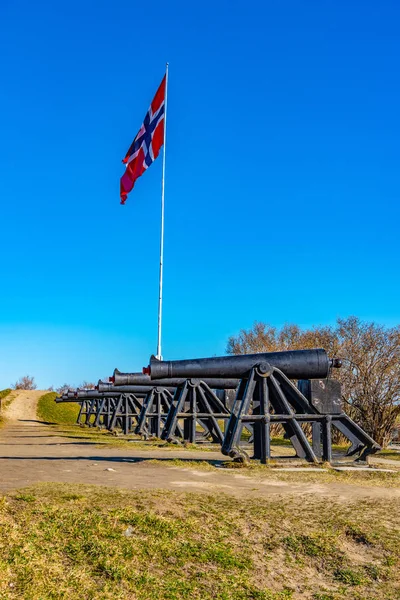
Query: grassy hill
51	412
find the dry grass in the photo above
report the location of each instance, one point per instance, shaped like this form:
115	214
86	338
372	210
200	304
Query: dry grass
6	396
367	477
5	393
390	453
63	541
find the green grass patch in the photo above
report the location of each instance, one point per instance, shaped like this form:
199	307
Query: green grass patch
77	541
51	412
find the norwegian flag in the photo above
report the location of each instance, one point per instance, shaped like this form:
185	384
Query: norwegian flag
147	144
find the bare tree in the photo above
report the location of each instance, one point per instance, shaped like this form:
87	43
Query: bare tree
370	375
87	385
25	383
63	389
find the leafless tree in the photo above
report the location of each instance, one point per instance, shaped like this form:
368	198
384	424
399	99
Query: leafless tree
63	389
370	375
25	383
87	385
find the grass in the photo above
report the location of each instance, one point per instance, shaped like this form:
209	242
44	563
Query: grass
71	541
389	453
281	441
261	473
51	412
105	438
3	395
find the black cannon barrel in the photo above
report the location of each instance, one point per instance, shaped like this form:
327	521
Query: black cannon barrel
295	364
125	379
87	394
65	399
82	394
133	389
139	391
119	378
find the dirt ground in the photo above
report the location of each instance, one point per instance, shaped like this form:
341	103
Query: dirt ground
23	406
30	453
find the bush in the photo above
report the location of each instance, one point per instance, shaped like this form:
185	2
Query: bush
25	383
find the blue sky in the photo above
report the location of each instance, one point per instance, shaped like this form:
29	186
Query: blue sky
282	189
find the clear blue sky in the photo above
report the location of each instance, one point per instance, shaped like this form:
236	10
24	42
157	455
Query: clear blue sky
282	190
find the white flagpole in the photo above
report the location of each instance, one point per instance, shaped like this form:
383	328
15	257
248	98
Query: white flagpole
160	294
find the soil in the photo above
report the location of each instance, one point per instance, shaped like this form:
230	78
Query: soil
30	453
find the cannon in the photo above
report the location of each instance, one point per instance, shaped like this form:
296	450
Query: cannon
63	399
103	387
200	406
85	404
157	404
266	394
110	393
295	364
155	407
112	407
126	379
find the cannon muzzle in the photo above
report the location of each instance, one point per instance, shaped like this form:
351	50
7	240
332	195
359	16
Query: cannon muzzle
295	364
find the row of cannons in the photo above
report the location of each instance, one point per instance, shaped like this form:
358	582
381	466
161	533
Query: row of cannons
189	401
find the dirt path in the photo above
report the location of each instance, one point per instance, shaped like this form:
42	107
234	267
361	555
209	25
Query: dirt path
23	406
30	452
